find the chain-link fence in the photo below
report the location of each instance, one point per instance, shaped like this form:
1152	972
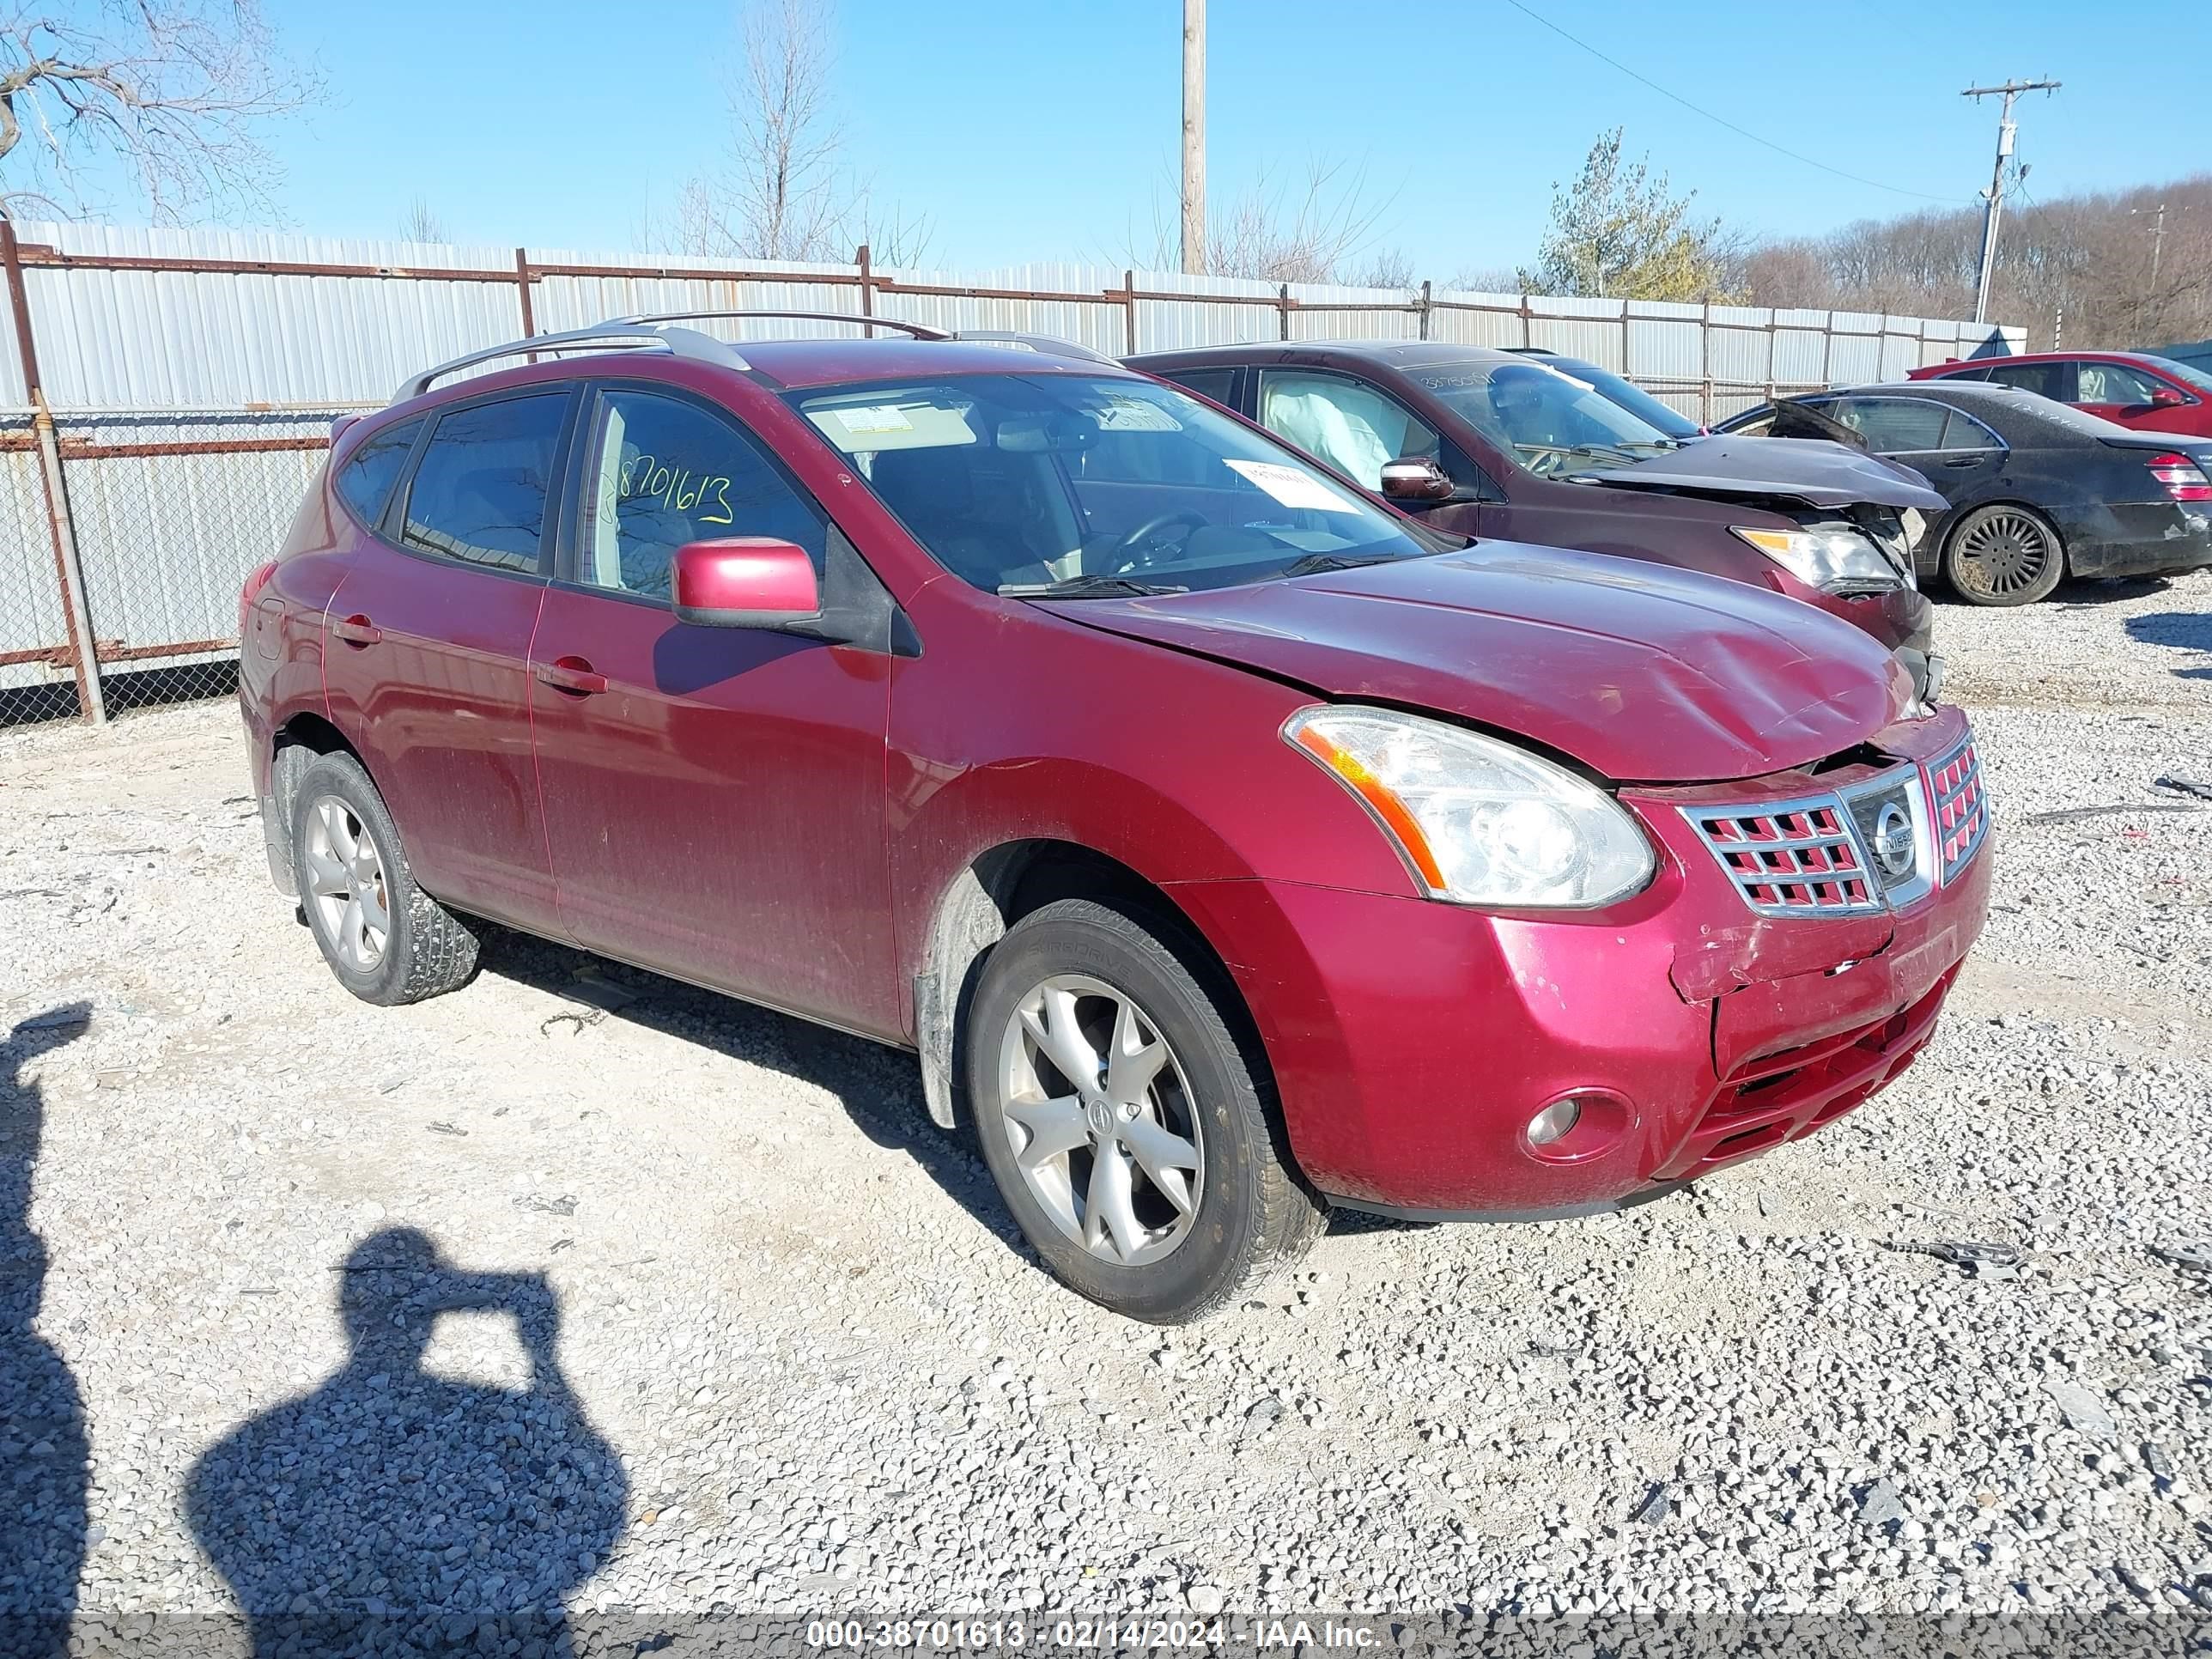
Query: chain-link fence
160	519
126	532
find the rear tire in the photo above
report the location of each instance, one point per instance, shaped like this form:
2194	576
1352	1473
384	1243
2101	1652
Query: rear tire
387	941
1131	1134
2002	556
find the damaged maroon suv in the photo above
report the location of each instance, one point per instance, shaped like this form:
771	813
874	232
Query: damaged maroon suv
1226	846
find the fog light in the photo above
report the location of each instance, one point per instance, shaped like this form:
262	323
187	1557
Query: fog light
1555	1122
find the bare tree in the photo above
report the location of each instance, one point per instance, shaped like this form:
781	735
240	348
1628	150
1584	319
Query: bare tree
1484	279
1388	267
783	190
1315	232
169	91
421	222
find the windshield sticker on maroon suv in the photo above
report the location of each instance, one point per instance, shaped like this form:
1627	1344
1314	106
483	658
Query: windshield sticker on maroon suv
1291	486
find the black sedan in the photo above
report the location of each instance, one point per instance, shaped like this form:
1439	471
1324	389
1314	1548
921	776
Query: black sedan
2037	490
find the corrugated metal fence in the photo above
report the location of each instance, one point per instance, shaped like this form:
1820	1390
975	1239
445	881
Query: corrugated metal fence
165	394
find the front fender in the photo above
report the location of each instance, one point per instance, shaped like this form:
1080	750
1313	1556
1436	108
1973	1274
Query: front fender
1167	763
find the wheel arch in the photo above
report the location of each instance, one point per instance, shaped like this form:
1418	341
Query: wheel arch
992	891
297	744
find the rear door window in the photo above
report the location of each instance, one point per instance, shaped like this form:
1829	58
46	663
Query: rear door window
482	490
364	481
2052	380
1893	426
662	471
1217	384
1963	432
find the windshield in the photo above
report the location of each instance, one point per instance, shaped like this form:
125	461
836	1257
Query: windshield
1631	397
1103	485
1550	423
2188	373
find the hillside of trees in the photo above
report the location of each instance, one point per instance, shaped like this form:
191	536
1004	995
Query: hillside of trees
2086	271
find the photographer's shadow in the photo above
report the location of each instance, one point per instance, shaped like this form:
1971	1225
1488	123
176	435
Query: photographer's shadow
393	1510
43	1450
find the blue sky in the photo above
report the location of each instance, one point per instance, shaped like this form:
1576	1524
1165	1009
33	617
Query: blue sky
1047	129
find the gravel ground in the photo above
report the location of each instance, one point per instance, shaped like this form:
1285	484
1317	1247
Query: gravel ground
579	1291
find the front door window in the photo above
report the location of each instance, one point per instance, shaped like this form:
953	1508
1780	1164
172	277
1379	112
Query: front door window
2114	384
1345	422
663	472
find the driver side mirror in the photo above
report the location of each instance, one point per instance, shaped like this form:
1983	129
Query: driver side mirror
2164	396
1415	478
744	581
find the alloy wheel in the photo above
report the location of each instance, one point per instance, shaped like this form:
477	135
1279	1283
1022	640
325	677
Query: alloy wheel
346	883
1101	1119
2004	554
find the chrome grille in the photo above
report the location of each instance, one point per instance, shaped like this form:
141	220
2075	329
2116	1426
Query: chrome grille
1790	858
1887	841
1962	811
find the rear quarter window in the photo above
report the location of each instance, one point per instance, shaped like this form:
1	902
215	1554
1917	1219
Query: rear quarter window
365	477
1217	384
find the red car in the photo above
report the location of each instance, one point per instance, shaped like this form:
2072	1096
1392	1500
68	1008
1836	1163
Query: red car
1227	845
2152	394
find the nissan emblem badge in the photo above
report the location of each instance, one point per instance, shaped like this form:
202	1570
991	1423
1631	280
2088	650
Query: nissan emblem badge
1893	840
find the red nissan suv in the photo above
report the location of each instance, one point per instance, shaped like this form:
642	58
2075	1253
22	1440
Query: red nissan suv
1226	845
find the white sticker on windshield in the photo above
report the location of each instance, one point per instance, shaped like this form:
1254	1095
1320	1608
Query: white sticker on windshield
1133	415
881	418
1292	486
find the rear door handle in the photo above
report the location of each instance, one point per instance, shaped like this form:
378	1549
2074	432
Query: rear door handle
357	629
573	674
1960	462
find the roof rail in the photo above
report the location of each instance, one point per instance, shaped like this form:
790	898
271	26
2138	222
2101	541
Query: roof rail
658	331
621	333
919	330
1050	344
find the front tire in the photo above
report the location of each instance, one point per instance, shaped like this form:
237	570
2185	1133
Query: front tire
387	940
1130	1132
2002	556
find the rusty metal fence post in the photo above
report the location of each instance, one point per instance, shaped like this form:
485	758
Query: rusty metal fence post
83	655
90	698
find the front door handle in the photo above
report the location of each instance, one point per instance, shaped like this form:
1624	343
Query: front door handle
357	629
574	675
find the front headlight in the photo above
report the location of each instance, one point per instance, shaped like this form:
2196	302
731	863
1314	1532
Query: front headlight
1834	558
1478	821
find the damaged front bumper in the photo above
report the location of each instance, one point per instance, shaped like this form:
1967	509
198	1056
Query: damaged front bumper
1694	1025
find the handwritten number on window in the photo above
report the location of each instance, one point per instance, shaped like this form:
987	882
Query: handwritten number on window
647	478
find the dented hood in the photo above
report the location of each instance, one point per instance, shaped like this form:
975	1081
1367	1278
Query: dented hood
1641	671
1813	470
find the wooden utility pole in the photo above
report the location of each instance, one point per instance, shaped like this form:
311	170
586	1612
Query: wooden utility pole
1994	200
1194	136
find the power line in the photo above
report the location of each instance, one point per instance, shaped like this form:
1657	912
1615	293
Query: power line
1719	120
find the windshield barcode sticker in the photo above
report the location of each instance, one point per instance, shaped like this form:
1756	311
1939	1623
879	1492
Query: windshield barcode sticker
1291	487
